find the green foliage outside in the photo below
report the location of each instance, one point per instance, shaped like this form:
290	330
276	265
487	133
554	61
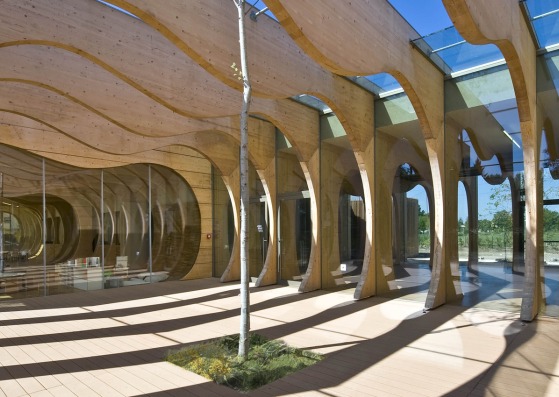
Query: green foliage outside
495	232
268	360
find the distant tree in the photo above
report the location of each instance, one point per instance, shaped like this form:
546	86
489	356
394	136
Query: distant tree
502	220
424	220
484	225
550	220
500	198
550	177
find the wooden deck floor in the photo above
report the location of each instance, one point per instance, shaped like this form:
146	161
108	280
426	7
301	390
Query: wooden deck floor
111	343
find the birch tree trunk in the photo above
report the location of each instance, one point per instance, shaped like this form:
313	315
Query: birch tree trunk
245	301
1	224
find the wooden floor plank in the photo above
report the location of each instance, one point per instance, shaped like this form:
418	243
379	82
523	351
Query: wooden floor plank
113	342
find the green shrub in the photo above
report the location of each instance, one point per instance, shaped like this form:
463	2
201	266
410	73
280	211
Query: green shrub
268	360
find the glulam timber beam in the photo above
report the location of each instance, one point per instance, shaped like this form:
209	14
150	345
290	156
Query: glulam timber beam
40	129
207	31
326	32
124	46
382	45
91	86
502	24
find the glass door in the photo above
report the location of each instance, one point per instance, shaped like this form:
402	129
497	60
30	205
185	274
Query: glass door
258	236
295	237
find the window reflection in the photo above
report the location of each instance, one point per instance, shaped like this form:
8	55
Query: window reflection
92	232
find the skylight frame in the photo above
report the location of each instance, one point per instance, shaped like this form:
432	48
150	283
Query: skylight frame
112	6
544	25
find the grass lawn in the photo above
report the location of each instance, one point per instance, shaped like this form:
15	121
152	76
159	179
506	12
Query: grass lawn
268	361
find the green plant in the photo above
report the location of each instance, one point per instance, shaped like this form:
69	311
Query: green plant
268	360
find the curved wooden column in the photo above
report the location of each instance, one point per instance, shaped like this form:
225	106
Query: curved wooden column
331	186
355	110
391	153
311	170
385	49
384	269
532	295
335	168
233	270
441	285
517	224
262	140
302	131
368	282
269	273
261	149
398	220
471	187
504	25
453	161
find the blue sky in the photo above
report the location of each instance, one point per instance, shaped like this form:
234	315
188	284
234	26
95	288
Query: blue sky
426	16
429	16
484	193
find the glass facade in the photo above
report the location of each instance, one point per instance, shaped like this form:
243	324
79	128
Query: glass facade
70	229
484	147
22	242
484	182
258	225
403	198
343	209
67	229
452	54
548	83
224	225
294	213
544	15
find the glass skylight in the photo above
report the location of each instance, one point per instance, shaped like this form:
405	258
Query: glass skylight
385	82
544	16
117	8
313	102
260	8
381	84
452	54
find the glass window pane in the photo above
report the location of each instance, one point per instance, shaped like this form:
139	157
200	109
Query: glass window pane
483	131
403	199
294	224
343	209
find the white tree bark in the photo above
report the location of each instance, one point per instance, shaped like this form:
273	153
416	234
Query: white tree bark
245	301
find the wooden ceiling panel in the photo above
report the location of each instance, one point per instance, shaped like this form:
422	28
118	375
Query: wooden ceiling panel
114	83
31	134
207	30
362	38
125	46
62	148
66	116
82	80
